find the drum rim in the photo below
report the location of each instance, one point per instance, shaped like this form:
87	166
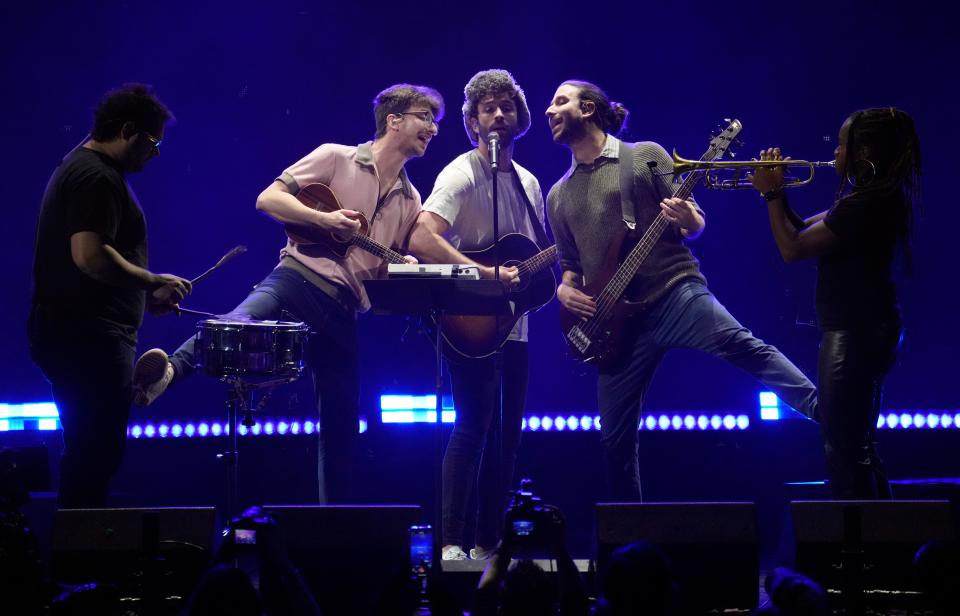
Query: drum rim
227	323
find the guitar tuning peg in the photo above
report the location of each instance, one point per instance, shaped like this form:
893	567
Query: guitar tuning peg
727	120
739	143
731	154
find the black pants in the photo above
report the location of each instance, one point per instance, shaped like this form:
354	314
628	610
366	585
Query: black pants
91	376
474	440
852	366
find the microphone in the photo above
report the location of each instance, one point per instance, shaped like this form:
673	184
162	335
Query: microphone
493	146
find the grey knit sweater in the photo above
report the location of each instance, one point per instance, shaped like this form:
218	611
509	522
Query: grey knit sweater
584	211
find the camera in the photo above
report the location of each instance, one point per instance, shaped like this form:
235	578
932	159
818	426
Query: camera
529	522
244	530
246	535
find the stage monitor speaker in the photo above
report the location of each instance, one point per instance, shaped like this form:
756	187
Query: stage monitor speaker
116	545
348	555
880	538
712	547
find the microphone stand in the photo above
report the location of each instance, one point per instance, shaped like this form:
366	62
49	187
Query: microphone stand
493	148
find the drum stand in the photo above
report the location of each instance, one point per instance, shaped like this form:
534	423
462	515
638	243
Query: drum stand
240	410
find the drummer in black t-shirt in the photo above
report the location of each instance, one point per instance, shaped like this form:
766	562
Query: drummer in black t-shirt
878	155
91	285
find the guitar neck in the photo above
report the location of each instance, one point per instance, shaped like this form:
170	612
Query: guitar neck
376	248
639	253
539	261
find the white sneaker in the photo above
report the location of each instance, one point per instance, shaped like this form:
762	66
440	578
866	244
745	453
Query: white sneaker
479	553
151	376
452	552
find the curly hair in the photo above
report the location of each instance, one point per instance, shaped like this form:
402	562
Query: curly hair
610	116
131	102
401	96
494	81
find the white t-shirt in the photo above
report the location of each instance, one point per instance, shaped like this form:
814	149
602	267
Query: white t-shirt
463	196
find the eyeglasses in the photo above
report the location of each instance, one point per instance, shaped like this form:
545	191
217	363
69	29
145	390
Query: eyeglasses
153	140
425	116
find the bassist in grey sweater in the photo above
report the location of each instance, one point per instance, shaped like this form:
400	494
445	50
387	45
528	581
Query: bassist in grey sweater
625	312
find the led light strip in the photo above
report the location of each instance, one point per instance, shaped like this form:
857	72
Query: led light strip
400	409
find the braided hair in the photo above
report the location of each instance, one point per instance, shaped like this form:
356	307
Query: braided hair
888	139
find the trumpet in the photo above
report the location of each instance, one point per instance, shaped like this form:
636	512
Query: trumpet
713	169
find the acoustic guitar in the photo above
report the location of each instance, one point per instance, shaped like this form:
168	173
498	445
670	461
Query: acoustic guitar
480	336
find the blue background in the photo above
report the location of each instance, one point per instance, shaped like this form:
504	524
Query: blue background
257	85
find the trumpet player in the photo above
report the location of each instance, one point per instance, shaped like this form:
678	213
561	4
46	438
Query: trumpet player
855	241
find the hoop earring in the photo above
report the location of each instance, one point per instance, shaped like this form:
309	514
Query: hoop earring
873	175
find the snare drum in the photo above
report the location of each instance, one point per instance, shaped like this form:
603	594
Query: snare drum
250	348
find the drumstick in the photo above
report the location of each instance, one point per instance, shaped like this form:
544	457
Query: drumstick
235	251
199	313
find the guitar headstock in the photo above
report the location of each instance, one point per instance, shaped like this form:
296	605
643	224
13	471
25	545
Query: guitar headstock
722	141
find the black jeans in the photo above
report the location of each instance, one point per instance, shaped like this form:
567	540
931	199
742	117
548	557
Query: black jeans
91	375
333	361
852	366
474	439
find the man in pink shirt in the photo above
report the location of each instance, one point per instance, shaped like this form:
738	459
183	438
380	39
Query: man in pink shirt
316	287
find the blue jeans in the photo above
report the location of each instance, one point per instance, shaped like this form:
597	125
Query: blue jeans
688	316
331	356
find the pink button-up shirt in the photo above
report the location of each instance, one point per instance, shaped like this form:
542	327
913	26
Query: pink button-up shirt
352	175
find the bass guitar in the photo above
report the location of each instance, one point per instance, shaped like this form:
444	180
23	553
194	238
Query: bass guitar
597	339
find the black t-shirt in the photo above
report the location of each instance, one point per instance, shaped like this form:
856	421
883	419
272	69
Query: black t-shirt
88	192
855	289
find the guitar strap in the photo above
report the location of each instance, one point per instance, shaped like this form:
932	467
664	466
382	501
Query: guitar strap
538	229
628	207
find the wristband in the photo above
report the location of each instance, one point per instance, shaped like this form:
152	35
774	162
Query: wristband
771	195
